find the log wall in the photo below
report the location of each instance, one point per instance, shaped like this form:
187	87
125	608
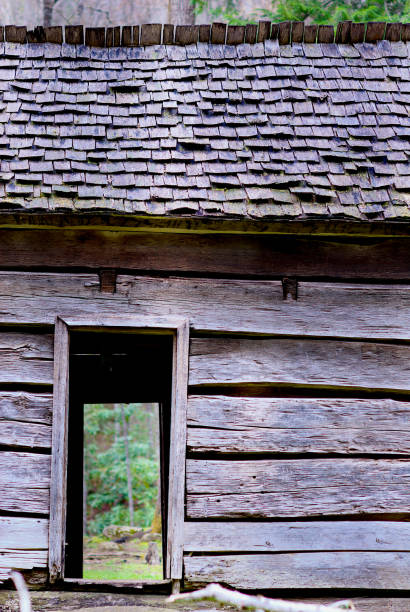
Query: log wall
298	436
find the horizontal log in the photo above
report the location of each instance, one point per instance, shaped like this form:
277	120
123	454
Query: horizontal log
332	309
259	256
28	435
221	424
27	407
24	534
26	358
304	487
324	363
24	482
33	499
352	570
321	309
22	559
296	536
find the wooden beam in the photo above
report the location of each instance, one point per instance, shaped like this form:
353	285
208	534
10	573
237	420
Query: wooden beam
24	482
58	490
351	570
33	435
257	256
274	488
251	306
26	407
228	425
296	536
24	534
26	358
177	452
322	363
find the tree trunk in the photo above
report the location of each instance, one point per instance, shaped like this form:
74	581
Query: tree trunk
127	459
181	12
48	12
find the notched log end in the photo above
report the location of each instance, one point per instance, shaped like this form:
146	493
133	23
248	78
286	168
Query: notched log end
290	287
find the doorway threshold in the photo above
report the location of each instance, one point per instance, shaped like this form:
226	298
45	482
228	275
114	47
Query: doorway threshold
158	587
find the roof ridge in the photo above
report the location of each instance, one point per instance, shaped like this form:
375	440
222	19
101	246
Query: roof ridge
287	32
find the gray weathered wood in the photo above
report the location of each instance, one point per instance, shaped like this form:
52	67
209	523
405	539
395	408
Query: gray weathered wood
296	536
31	497
58	489
23	542
260	256
360	570
303	487
297	425
26	358
324	363
333	309
24	482
26	407
176	487
34	435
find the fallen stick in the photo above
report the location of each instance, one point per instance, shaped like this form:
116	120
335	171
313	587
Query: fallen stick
215	592
22	590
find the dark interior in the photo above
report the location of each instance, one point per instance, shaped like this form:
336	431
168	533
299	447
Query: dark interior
108	367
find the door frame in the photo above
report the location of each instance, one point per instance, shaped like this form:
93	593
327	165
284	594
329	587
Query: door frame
179	328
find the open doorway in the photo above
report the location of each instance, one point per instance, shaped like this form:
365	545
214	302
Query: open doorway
120	387
122	529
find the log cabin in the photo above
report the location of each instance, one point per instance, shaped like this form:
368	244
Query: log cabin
227	209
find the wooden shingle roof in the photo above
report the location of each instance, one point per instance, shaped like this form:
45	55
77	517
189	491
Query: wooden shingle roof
251	130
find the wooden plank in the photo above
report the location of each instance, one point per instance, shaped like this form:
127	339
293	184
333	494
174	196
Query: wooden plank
168	34
58	490
251	30
33	435
297	31
26	407
24	534
310	34
332	309
257	306
186	34
375	31
258	256
24	482
151	34
204	33
296	536
343	32
220	424
177	453
353	570
54	34
289	488
326	34
95	37
285	32
74	34
22	559
322	363
263	30
393	31
31	498
357	31
235	34
218	33
16	34
26	358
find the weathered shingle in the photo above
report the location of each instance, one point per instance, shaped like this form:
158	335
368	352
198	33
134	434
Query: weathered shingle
262	130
